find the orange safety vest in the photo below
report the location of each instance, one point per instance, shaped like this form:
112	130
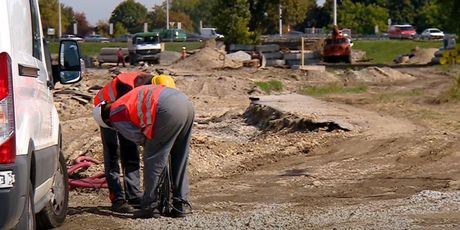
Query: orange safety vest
109	92
140	108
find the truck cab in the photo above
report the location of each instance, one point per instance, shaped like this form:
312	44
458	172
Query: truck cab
145	47
33	173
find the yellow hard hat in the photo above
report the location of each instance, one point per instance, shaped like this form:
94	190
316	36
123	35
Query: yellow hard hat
165	80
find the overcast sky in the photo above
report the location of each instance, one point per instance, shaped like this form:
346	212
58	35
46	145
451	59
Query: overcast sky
96	10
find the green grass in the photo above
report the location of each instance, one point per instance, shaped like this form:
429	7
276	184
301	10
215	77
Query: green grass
92	49
397	96
332	89
269	86
383	52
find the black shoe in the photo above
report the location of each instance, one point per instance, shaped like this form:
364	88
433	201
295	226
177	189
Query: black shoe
147	213
121	206
180	207
136	202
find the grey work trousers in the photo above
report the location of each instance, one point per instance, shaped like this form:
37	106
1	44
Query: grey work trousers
172	133
112	141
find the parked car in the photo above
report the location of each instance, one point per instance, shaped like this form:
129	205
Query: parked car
401	32
123	38
33	173
194	37
210	33
96	38
432	33
71	37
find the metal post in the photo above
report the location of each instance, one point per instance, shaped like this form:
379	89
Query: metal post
59	19
167	14
302	54
280	19
335	12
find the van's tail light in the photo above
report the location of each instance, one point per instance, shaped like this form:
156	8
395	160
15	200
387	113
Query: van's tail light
7	137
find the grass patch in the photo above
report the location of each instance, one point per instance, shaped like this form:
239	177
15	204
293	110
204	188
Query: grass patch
269	86
395	96
384	51
332	89
92	49
453	94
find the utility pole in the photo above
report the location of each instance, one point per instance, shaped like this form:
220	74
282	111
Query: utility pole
59	19
280	19
335	12
167	14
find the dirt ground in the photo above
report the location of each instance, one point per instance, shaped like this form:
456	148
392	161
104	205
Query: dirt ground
387	158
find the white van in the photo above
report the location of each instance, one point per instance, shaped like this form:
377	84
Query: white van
210	33
33	173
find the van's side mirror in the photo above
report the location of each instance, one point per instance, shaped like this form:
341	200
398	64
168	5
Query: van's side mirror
70	65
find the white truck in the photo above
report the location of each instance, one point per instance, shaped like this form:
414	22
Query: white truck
210	33
145	47
33	173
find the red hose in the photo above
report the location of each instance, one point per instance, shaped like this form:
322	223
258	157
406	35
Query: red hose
97	181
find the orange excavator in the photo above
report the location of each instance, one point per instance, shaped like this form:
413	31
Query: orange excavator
337	48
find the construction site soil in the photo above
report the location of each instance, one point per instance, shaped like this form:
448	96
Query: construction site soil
384	158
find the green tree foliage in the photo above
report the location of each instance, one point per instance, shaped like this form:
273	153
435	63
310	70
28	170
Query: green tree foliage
401	11
131	14
451	11
49	15
102	28
157	18
318	16
231	17
361	18
119	30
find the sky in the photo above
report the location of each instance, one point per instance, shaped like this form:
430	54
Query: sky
96	10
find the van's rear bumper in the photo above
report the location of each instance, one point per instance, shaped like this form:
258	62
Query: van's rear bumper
13	199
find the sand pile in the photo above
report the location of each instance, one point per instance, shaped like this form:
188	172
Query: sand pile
375	75
422	56
207	59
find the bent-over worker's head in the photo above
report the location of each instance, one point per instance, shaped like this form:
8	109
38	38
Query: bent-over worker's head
101	114
165	80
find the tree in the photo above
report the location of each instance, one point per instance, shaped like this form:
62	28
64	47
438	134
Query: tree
232	19
362	18
102	28
119	30
50	19
450	10
318	17
157	18
83	27
131	15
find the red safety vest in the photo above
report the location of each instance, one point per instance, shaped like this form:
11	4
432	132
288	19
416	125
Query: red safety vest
140	108
109	92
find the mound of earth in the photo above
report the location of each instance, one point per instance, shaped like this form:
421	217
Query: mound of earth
422	56
375	75
207	59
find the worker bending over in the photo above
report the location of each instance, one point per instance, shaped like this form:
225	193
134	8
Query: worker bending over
160	118
122	197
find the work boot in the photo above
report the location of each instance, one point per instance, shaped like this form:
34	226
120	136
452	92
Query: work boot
136	202
181	208
121	206
146	213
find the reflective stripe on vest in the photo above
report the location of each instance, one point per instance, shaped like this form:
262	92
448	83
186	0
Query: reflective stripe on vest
109	92
141	104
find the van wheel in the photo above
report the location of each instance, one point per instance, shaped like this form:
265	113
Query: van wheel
54	213
27	220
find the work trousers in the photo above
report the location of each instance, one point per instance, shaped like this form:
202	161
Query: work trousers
118	149
170	142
